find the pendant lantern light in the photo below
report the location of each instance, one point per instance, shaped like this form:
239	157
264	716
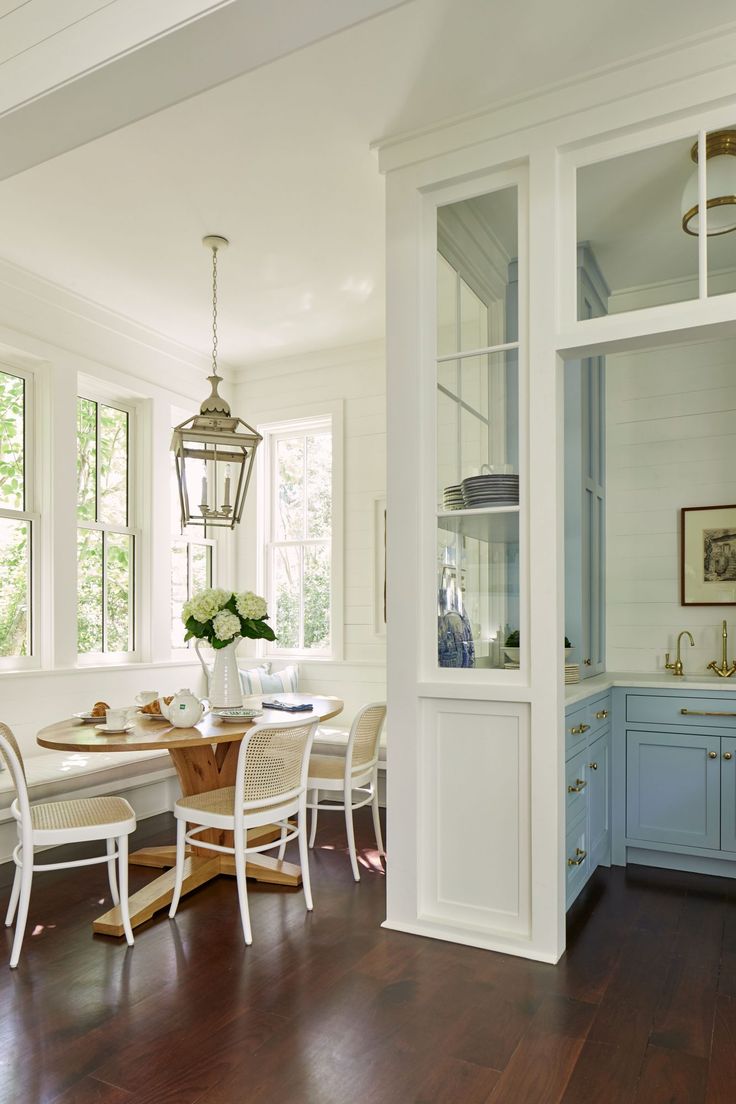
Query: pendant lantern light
214	450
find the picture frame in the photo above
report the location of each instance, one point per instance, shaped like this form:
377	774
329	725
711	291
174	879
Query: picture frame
708	556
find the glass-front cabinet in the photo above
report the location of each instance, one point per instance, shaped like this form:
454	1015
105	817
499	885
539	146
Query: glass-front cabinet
477	434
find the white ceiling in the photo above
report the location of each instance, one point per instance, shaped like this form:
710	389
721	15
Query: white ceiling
278	161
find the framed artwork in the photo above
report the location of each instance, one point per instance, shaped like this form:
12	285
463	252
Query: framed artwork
708	556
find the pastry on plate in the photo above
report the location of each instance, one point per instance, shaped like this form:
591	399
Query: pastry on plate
153	709
99	709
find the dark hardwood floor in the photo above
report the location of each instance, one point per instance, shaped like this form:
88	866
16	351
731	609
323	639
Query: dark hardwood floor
332	1009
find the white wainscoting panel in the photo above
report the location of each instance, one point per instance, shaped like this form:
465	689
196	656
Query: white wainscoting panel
474	815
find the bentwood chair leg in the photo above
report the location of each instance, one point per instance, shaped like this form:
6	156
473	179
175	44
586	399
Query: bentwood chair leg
315	803
376	817
111	860
124	909
13	902
181	831
351	834
282	848
304	854
26	876
242	886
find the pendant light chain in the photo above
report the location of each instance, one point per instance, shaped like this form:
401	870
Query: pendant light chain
214	312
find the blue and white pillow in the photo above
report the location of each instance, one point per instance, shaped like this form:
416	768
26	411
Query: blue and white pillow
257	680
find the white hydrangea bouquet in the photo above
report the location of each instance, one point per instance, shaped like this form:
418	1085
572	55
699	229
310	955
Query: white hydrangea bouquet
220	616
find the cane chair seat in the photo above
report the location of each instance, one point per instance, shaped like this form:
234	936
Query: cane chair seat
108	820
85	812
326	766
360	760
270	787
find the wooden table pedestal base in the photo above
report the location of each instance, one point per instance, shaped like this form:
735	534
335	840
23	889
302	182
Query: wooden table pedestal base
199	868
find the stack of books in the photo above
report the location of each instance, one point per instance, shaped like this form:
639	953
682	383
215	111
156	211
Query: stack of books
572	673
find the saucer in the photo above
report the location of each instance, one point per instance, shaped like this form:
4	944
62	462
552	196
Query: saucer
110	728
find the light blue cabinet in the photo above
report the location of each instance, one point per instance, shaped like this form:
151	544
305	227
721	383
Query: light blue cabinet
587	791
673	788
728	793
585	448
599	776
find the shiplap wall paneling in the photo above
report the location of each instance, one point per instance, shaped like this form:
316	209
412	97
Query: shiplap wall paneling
671	442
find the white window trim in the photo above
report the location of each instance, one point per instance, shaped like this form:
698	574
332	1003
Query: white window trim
31	514
306	418
98	393
188	538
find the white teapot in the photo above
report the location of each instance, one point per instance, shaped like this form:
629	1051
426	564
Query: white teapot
184	710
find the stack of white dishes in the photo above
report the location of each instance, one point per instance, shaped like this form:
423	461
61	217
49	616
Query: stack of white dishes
490	490
572	673
452	499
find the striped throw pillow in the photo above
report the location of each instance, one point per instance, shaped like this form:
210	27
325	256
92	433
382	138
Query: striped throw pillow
257	680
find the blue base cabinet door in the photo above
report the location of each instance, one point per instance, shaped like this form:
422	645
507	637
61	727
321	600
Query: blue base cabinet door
673	788
728	793
599	800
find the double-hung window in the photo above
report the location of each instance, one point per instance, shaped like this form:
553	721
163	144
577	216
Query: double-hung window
106	539
18	523
192	565
299	531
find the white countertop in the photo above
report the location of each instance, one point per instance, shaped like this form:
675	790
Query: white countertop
658	680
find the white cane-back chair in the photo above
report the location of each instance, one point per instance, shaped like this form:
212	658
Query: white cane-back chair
270	786
356	770
52	823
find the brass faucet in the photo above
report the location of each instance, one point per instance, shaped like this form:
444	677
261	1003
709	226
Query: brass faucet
724	671
677	669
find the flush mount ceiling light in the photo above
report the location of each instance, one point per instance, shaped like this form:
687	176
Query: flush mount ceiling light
214	450
720	154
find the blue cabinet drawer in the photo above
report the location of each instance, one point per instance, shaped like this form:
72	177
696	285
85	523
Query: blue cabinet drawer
585	721
576	786
576	861
683	709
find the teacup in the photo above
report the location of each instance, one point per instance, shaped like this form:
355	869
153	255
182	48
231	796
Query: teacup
145	697
116	718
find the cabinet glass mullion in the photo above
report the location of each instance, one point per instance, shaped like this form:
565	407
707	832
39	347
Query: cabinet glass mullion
477	476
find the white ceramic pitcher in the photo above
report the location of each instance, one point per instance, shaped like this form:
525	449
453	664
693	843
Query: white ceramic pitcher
223	678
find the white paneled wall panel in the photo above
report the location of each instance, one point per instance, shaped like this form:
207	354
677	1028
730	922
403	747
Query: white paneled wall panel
671	442
475	815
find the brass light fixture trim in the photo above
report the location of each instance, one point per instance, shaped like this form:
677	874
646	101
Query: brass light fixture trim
719	143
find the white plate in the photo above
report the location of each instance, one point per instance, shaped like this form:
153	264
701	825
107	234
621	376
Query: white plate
150	716
236	714
86	718
113	728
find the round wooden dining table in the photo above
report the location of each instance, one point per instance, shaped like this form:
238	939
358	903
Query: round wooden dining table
205	758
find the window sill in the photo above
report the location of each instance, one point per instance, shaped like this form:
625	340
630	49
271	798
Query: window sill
90	668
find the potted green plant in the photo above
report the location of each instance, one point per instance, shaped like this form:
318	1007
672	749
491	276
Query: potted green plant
511	647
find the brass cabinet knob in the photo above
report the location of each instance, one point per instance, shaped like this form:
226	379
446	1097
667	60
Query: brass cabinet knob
727	755
578	730
593	766
588	662
712	754
579	786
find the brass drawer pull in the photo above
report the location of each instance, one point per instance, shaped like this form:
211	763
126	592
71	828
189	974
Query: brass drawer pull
601	714
727	755
593	766
579	786
581	857
712	754
702	713
578	730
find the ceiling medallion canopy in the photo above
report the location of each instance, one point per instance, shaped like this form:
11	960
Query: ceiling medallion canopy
214	450
720	153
